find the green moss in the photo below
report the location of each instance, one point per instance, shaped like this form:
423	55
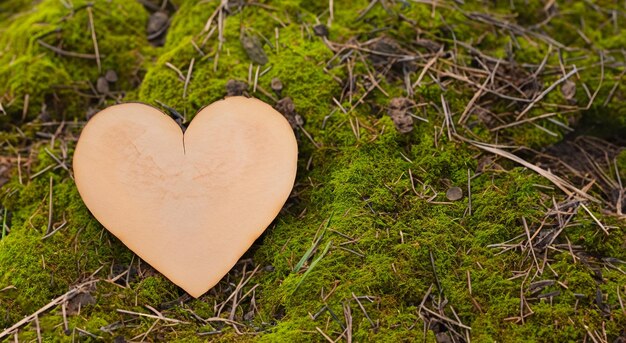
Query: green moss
65	84
393	234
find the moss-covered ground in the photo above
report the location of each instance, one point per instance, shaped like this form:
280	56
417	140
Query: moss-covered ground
368	247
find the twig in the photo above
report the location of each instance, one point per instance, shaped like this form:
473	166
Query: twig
545	92
452	321
325	335
478	94
188	78
152	316
38	328
469	193
530	243
427	67
49	208
68	295
66	53
180	73
606	231
565	186
93	37
448	118
364	312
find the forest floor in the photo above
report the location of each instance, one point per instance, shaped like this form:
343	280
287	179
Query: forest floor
460	175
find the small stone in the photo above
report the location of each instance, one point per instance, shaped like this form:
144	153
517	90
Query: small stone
454	193
320	30
157	24
254	49
568	89
111	76
276	85
236	88
102	86
79	301
249	315
398	111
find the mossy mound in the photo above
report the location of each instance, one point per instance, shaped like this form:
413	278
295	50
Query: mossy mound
49	63
368	247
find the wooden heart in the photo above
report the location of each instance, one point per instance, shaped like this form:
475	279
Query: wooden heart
190	204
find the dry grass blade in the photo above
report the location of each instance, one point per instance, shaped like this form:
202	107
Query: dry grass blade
478	94
67	53
325	335
94	38
545	92
152	316
530	244
429	64
606	231
188	78
178	72
50	208
562	184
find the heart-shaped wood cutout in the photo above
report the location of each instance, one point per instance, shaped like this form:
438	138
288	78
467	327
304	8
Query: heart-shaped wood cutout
188	204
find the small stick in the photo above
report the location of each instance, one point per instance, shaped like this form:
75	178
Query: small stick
325	335
145	334
189	71
562	184
256	78
64	313
450	320
55	229
530	243
66	53
469	193
478	94
152	316
180	73
621	303
38	329
276	36
57	160
545	92
85	332
195	46
448	118
364	312
595	219
529	120
93	37
19	168
595	93
426	67
331	12
49	208
25	109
